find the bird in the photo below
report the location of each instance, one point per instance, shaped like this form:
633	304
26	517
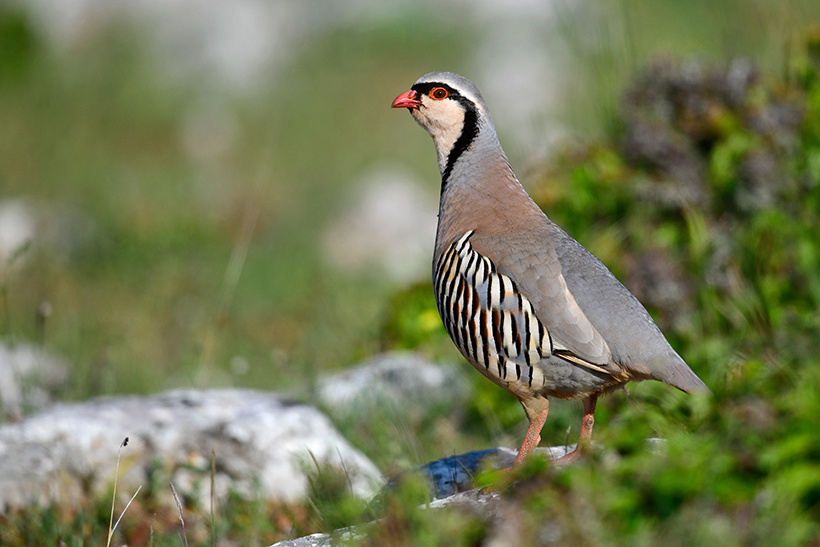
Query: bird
528	306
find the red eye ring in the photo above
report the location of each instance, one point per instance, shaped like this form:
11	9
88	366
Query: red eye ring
438	93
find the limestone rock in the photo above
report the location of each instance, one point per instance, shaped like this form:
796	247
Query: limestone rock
397	380
263	443
313	540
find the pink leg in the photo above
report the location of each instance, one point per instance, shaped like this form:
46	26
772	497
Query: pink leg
533	436
585	438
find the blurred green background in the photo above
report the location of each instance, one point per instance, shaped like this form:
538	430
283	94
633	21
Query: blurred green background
182	166
184	183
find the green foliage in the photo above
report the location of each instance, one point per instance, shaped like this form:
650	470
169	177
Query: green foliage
37	526
710	213
329	493
743	465
164	263
408	520
17	43
412	320
152	520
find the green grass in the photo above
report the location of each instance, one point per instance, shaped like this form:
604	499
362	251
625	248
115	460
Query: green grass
138	272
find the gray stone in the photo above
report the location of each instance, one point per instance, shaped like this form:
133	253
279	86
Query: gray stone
313	540
263	445
396	380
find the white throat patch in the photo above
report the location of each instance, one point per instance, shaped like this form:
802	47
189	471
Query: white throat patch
445	124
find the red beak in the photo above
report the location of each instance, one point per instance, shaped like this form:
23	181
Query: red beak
406	100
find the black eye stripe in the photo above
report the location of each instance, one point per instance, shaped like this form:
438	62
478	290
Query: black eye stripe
426	88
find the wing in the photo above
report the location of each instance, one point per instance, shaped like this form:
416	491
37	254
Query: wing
530	261
634	339
492	321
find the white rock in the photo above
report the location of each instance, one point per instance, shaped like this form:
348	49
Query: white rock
398	379
258	439
313	540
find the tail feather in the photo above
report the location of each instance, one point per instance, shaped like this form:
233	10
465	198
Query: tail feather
671	369
684	379
675	372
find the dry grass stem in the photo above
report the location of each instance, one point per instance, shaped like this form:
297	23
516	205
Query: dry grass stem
179	512
114	495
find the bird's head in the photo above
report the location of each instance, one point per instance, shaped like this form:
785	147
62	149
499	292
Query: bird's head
450	108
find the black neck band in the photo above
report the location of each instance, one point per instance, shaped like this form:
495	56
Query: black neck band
468	132
468	135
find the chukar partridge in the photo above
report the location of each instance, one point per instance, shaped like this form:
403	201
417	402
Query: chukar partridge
527	305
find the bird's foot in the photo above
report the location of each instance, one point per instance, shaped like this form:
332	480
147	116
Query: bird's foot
567	459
